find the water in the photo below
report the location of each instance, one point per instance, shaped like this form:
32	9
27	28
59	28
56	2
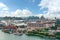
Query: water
5	36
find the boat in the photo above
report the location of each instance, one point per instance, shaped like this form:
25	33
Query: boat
19	34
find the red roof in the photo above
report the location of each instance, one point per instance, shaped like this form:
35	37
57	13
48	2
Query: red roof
10	26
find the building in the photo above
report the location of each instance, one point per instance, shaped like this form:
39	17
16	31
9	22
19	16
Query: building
41	24
9	28
58	28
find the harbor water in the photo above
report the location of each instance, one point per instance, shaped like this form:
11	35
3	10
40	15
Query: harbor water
6	36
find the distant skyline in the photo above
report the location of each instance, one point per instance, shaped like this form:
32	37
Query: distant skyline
24	8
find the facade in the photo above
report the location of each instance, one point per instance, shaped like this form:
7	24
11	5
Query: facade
58	28
2	25
9	28
41	24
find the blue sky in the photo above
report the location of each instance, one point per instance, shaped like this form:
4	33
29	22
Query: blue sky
32	5
24	8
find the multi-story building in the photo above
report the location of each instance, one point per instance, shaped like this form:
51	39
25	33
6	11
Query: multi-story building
41	24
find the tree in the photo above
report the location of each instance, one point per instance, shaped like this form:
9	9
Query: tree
42	18
58	22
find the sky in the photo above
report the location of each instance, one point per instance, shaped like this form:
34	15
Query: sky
24	8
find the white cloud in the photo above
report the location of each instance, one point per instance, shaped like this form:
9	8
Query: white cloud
3	7
4	11
21	13
53	7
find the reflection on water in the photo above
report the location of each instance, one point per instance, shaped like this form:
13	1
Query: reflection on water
5	36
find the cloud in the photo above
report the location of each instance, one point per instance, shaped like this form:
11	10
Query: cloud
21	13
53	8
4	11
3	7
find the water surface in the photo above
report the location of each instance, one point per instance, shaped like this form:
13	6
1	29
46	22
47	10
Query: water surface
5	36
